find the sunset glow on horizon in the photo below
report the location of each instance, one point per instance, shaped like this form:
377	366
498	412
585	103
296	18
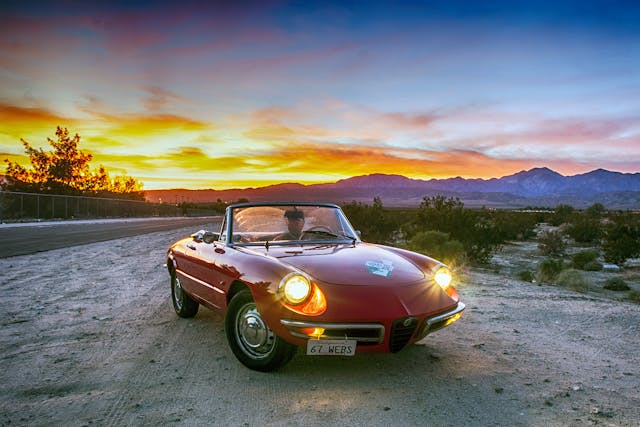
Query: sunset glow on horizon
182	95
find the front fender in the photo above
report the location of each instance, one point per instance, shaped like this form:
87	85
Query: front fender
262	274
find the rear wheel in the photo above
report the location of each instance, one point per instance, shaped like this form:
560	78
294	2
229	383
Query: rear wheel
182	303
251	340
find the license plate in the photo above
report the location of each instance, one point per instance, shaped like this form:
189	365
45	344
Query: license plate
331	347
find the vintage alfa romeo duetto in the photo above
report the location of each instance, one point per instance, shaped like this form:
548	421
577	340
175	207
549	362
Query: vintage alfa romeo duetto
291	275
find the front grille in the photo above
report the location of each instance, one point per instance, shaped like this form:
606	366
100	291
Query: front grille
401	332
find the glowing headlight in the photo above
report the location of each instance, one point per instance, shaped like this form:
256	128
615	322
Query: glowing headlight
443	277
296	288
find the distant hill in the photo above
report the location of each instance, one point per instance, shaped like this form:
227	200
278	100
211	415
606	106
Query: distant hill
534	187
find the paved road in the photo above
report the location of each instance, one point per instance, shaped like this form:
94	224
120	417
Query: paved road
23	239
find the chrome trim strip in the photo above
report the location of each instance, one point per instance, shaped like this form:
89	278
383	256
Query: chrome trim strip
459	308
335	326
201	282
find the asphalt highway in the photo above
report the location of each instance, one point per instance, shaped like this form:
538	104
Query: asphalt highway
29	238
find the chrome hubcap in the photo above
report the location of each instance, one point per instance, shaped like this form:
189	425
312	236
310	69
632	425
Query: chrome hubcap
254	336
177	292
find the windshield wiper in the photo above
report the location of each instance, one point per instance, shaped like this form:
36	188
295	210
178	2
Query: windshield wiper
328	233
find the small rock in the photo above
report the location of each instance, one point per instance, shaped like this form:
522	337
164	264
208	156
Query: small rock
386	408
499	390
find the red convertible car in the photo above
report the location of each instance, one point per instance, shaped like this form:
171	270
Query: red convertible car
298	275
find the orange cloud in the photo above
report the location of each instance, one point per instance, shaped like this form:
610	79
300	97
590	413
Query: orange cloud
31	123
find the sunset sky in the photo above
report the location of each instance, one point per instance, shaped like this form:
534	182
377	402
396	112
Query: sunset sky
205	95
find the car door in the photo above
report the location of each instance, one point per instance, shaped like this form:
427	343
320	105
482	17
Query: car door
203	273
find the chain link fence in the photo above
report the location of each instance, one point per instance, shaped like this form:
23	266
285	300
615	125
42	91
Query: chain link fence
16	206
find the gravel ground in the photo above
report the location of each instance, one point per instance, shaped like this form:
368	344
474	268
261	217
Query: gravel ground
88	337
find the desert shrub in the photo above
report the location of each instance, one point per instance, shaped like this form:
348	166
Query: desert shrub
551	243
515	225
438	245
526	276
475	229
596	210
593	266
585	230
376	224
573	279
634	296
622	240
549	269
561	214
580	259
616	284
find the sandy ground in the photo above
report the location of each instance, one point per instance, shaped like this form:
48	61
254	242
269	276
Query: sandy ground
88	337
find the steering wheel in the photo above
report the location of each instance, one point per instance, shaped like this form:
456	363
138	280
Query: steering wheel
320	228
317	228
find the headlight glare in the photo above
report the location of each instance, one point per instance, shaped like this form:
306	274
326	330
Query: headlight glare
443	277
296	288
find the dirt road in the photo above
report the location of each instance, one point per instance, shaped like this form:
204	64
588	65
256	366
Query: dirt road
88	337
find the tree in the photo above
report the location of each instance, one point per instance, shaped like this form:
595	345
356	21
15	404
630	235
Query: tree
66	170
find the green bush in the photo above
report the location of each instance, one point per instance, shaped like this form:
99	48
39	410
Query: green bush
593	266
596	210
622	239
438	245
475	229
551	243
580	259
573	279
549	269
561	214
616	284
377	224
515	225
634	296
526	276
585	230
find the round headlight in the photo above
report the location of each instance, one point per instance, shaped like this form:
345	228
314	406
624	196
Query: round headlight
443	277
296	288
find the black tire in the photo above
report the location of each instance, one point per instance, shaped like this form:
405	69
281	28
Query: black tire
182	303
251	340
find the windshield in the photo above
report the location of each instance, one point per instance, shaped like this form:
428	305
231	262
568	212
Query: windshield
290	223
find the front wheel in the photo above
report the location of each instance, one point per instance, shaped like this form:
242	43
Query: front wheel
182	303
251	340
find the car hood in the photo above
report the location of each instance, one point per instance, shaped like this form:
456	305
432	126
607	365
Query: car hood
360	264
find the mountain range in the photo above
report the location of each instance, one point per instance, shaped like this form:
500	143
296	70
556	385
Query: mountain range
534	187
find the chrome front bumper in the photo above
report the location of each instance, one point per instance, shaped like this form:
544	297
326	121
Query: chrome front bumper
432	324
364	333
371	333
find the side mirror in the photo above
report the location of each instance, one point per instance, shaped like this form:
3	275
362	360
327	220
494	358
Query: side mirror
198	236
359	234
210	237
